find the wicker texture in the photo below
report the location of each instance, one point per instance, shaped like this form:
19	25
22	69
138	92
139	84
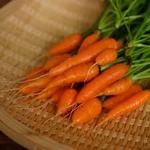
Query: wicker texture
28	30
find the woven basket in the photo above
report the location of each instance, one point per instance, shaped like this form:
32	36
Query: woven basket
27	29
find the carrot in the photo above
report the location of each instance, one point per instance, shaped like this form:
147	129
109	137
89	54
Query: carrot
127	106
55	60
86	55
118	87
66	45
35	72
92	38
94	87
114	100
47	94
88	111
106	57
41	70
35	86
56	95
75	74
120	45
66	100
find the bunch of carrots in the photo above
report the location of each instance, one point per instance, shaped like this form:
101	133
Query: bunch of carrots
97	70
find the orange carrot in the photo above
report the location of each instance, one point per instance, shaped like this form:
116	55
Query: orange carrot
114	100
55	60
47	94
106	57
40	70
118	87
120	45
66	100
35	86
85	56
127	106
57	95
92	38
75	74
94	87
35	72
88	111
66	45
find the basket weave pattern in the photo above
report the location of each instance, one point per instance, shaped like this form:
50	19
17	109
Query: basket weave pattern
25	36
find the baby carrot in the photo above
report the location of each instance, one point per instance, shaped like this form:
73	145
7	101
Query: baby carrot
35	72
106	57
127	106
55	60
75	74
35	86
92	38
66	100
114	100
66	45
57	95
47	94
95	86
85	56
120	45
88	111
40	70
118	87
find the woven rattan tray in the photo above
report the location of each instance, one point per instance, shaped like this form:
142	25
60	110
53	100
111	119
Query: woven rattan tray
27	29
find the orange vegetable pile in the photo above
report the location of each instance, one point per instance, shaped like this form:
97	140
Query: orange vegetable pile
74	81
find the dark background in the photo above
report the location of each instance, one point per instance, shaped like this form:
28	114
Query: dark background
3	2
8	144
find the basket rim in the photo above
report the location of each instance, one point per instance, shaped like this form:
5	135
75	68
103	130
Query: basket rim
25	136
